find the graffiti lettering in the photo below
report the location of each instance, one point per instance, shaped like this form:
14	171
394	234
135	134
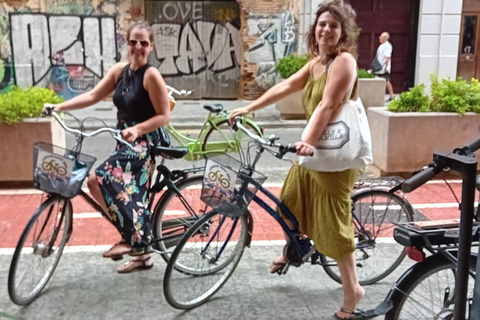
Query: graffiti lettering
54	49
276	39
196	47
181	10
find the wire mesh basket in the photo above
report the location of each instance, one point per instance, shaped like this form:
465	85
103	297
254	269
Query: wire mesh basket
229	187
58	170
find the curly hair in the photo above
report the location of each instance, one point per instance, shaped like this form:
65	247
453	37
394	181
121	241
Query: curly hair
343	13
141	25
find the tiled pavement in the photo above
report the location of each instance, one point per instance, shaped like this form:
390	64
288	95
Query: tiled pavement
86	286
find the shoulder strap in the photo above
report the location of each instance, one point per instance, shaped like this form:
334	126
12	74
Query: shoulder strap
125	78
328	64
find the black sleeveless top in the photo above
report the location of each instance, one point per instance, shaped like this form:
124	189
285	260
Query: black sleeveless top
131	98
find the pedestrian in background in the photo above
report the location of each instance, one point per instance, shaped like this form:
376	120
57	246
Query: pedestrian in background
384	58
319	200
120	184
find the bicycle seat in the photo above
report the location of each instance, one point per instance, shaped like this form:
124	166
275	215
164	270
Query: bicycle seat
213	107
172	152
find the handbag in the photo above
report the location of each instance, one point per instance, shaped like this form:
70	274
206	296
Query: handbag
346	142
376	65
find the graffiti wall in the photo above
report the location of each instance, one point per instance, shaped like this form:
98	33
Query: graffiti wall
197	45
68	49
276	38
68	54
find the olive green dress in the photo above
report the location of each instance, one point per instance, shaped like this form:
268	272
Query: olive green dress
321	200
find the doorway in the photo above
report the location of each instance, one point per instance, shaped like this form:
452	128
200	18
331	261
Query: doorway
468	66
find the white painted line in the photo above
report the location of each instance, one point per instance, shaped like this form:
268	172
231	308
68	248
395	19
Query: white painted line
87	215
101	248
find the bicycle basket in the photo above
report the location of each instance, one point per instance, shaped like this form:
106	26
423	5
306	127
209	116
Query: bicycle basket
227	185
59	170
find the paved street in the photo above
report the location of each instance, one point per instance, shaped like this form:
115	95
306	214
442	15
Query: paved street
86	286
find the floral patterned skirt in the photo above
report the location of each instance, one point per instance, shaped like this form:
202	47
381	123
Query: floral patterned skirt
124	181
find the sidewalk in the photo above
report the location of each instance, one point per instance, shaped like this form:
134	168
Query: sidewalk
188	114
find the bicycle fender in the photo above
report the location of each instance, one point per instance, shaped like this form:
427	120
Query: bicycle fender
362	191
405	278
249	218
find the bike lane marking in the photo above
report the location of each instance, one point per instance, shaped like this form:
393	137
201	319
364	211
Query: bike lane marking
433	201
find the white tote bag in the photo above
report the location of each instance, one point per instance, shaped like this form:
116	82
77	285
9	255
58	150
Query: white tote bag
346	142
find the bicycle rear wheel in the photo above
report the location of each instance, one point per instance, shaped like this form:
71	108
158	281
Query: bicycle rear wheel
39	250
427	292
207	256
377	254
174	215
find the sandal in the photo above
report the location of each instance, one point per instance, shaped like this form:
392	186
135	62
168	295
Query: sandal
130	267
277	266
115	257
354	315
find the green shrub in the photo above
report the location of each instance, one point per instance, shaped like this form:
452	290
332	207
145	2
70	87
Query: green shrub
446	96
19	103
414	100
290	64
449	95
364	74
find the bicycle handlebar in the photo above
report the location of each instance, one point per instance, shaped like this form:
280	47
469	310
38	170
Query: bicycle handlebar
181	92
117	134
427	173
283	148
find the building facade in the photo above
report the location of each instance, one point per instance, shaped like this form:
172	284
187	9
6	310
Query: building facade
223	49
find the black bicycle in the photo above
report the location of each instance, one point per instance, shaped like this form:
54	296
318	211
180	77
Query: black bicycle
443	285
41	244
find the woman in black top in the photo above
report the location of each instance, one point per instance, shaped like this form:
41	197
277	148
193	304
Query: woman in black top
120	184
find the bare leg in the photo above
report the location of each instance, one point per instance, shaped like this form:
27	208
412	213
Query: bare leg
97	195
280	259
390	89
96	192
352	291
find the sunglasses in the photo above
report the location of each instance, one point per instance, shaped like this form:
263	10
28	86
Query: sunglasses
143	43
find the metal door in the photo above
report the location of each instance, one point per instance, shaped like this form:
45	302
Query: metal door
197	46
468	66
400	20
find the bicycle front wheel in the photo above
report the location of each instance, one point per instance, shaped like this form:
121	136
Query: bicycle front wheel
39	250
377	254
207	256
174	214
428	291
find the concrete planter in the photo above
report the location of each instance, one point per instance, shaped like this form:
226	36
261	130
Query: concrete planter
16	148
372	92
291	107
405	142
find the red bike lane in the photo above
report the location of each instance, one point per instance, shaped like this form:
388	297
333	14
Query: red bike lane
433	201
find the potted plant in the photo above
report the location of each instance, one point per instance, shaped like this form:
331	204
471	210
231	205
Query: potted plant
416	124
20	128
291	107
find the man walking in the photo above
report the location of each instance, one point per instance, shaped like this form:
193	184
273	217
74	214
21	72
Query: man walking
384	57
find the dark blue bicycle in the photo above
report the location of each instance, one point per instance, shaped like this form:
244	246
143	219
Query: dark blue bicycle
210	250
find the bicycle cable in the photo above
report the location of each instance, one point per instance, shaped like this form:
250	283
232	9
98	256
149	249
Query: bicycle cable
451	190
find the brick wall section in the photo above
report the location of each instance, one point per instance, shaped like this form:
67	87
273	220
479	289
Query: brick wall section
249	89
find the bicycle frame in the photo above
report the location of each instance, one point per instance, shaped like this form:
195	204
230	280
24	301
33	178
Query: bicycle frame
195	145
